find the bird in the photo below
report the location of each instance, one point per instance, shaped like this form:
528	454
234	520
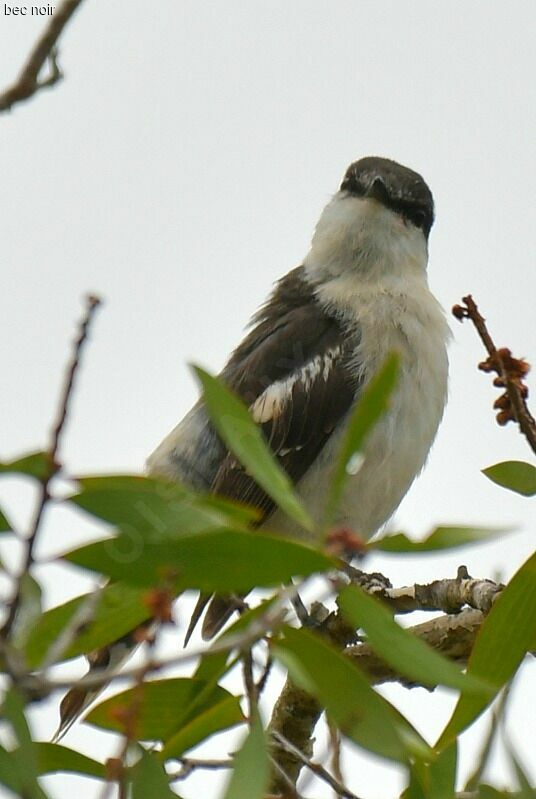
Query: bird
360	293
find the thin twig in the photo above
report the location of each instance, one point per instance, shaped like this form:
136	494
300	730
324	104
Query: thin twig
510	372
269	620
249	683
290	790
92	304
28	82
497	716
190	764
316	768
335	747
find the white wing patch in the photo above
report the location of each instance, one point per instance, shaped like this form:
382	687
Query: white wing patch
270	404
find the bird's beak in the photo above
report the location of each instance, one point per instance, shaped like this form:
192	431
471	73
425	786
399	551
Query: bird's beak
378	191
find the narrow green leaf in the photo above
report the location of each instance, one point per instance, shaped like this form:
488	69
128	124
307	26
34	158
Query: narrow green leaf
414	789
222	560
370	407
442	773
52	758
359	711
5	524
153	509
119	610
163	707
251	768
489	792
23	765
517	476
505	636
136	486
220	716
37	465
149	779
12	772
401	649
244	438
441	538
434	779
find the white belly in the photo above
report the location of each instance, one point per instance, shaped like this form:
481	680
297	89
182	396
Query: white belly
412	323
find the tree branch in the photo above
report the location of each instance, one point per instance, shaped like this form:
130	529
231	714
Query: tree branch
447	595
92	304
28	82
512	406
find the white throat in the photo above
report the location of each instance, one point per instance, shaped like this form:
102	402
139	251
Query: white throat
359	236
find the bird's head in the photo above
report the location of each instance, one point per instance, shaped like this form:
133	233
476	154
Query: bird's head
394	186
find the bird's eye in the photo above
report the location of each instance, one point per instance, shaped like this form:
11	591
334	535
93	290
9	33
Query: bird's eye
419	219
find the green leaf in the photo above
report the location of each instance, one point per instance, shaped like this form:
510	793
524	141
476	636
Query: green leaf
12	773
435	779
488	792
442	774
414	789
21	768
5	524
52	758
221	560
505	636
220	716
370	407
167	491
440	538
400	648
359	712
154	509
517	476
244	438
35	465
119	610
163	707
251	768
149	779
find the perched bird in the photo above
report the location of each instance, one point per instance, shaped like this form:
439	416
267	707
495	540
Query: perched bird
360	293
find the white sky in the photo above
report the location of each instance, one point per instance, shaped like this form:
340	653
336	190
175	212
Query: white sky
180	169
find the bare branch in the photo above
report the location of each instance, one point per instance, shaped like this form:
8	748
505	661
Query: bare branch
447	595
510	371
28	82
92	304
191	764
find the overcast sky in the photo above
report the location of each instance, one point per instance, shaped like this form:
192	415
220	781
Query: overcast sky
180	169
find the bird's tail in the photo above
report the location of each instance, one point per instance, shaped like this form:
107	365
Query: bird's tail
219	611
111	657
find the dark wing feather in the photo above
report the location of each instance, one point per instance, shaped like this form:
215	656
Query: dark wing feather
296	359
292	371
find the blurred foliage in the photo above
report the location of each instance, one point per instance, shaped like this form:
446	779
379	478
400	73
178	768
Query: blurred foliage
166	538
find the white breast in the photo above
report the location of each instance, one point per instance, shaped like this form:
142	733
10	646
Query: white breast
372	268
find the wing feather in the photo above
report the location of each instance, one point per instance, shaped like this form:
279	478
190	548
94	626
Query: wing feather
293	371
